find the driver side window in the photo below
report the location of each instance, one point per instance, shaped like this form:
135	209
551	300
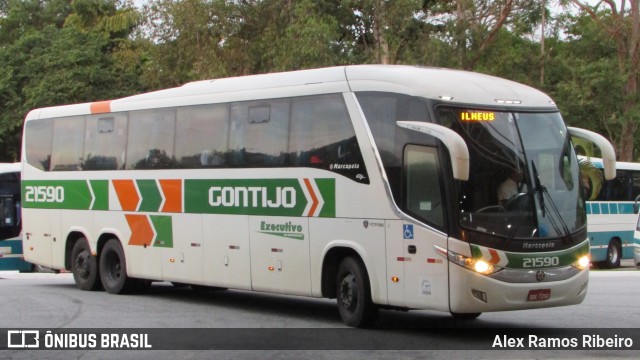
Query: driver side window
422	190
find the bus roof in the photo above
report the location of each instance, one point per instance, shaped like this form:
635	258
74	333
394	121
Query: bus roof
455	86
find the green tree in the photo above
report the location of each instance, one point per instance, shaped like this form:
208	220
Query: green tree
186	41
584	77
47	63
622	25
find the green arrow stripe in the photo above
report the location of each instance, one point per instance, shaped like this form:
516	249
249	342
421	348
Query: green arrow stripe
151	198
164	230
327	189
101	193
274	197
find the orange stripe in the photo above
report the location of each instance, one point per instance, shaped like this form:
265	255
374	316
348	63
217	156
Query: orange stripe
313	197
495	258
100	107
172	190
141	231
127	194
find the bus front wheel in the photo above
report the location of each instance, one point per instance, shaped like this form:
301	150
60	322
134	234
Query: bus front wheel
113	269
614	253
354	295
84	266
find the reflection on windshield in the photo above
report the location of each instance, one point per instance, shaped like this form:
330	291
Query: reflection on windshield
523	179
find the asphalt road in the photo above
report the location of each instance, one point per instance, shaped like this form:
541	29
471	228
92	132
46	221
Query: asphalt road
51	301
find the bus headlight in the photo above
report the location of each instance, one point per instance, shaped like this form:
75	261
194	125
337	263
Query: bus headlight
477	265
582	263
483	267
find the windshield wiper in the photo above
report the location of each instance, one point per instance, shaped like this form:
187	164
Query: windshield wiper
542	191
538	188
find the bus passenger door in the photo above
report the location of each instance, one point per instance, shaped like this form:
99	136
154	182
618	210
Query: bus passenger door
425	270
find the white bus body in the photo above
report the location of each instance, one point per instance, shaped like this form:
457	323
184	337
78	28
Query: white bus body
370	184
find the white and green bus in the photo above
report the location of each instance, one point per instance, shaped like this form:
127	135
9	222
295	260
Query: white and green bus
374	185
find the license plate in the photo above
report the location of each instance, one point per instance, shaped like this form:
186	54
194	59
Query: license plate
539	295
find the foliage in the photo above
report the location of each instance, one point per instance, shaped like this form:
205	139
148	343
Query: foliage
61	52
65	51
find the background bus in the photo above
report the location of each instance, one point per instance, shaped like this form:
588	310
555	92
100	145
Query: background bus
374	185
11	255
611	217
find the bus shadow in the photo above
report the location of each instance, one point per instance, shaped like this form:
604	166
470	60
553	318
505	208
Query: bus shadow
313	309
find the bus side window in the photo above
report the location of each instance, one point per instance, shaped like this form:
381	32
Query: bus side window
105	141
39	135
150	143
322	136
422	190
68	141
259	131
202	134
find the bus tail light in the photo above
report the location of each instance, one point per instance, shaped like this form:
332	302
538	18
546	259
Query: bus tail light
477	265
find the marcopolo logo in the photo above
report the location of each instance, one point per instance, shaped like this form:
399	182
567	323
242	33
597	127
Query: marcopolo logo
274	197
287	230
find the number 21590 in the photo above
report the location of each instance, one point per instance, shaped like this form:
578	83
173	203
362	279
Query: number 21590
44	194
537	262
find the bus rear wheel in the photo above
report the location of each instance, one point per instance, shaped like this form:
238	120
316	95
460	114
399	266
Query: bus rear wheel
354	295
113	269
614	254
84	266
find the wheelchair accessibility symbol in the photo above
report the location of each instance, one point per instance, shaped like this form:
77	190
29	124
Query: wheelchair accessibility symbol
408	232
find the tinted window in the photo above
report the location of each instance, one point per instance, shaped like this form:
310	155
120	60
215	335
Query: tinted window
150	143
9	205
68	134
259	131
201	136
10	183
423	195
618	189
38	136
381	111
322	136
105	142
310	131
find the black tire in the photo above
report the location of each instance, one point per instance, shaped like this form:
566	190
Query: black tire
353	293
113	269
465	316
84	266
614	254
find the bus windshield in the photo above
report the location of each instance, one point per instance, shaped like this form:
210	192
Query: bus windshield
524	178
